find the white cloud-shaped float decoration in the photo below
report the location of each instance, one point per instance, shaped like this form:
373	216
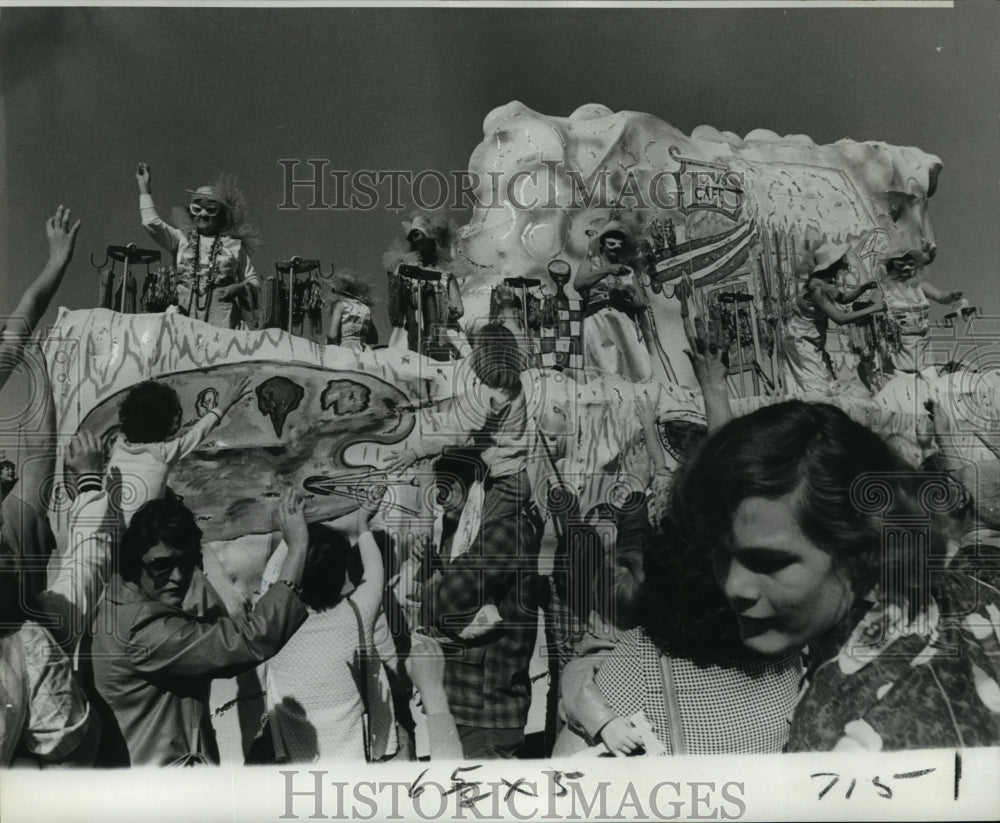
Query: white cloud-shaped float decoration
797	193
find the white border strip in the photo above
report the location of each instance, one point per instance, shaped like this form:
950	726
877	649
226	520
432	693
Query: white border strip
509	4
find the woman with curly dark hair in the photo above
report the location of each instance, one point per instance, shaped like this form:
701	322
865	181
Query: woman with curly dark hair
685	669
822	541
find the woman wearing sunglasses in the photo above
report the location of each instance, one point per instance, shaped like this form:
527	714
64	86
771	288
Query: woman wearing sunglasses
154	662
217	282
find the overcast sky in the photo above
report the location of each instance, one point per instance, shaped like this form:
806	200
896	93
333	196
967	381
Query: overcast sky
88	92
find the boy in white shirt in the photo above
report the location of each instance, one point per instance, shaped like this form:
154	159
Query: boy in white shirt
150	417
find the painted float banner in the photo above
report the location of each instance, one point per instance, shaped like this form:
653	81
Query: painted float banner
326	420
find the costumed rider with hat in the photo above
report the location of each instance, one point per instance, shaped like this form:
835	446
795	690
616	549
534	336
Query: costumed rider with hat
216	281
612	339
908	306
424	313
810	369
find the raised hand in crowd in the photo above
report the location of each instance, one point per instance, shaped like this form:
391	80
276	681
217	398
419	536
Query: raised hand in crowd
646	409
83	455
411	568
291	516
710	361
369	506
61	233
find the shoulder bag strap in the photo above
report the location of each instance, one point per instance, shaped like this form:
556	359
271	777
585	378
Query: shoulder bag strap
363	678
677	744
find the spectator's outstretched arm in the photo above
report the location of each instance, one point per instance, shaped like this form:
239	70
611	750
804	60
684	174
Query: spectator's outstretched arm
35	301
407	585
369	594
452	424
174	450
78	574
176	645
645	408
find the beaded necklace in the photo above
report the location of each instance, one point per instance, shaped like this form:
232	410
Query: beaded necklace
202	287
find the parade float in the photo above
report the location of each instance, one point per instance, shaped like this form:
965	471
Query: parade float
730	223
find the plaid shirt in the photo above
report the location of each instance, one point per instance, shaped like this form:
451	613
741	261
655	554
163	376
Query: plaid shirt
486	679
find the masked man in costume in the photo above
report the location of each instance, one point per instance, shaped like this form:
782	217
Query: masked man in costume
612	337
424	313
216	280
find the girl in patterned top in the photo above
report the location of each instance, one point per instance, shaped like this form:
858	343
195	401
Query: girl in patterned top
683	669
684	672
809	520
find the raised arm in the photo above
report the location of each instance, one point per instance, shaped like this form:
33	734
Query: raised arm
586	709
369	594
453	423
162	232
645	407
61	234
78	575
710	361
408	583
